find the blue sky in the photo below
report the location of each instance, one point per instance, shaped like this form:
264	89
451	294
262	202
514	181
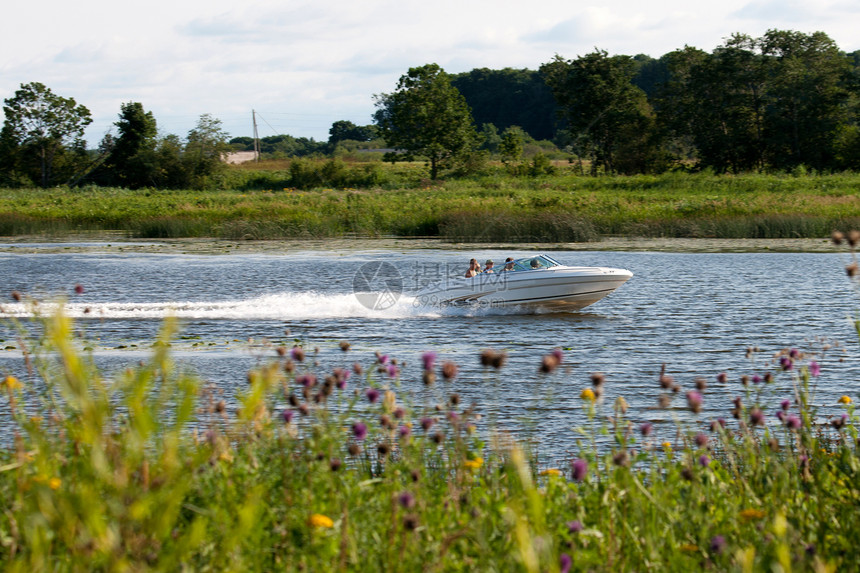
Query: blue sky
303	65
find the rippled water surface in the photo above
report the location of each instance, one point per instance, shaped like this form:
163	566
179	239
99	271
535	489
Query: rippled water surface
695	312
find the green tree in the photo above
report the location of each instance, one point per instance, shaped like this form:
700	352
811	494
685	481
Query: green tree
806	97
205	148
45	131
608	117
132	161
426	116
511	146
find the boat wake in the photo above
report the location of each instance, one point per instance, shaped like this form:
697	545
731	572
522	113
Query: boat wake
284	306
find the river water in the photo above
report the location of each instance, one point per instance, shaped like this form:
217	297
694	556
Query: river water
695	312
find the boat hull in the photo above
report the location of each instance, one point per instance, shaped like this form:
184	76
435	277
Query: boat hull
557	288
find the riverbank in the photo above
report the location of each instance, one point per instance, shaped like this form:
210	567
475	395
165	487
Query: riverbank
562	208
119	242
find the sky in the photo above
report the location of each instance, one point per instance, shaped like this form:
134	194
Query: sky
304	65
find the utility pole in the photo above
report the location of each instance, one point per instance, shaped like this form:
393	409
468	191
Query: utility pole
256	137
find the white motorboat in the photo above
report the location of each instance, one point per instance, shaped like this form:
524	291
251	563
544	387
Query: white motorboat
536	281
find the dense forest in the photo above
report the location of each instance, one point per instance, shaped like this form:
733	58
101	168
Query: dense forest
784	101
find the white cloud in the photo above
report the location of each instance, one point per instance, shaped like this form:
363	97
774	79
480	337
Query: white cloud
304	64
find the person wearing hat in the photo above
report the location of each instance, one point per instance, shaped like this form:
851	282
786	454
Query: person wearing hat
488	266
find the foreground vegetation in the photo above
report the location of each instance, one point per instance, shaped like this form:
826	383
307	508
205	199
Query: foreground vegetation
316	471
556	206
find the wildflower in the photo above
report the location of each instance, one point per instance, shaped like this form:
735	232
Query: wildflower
392	371
780	416
814	369
718	543
287	415
16	296
406	500
837	237
548	364
410	522
428	377
438	437
694	401
785	404
354	449
344	345
321	521
372	395
382	358
722	377
756	379
306	380
749	514
574	526
704	461
297	353
492	358
303	409
404	431
428	359
793	423
839	423
620	458
359	430
786	363
701	384
768	377
564	563
383	449
334	464
645	428
756	417
356	367
845	400
718	424
851	269
621	405
588	394
449	370
667	446
427	423
553	472
55	483
794	353
701	440
474	464
11	383
580	469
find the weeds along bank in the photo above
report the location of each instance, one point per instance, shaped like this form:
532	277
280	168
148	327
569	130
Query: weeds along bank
309	470
550	208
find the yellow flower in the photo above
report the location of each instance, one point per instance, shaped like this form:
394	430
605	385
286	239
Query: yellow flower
551	472
587	394
55	483
11	383
667	445
845	400
750	514
319	520
474	464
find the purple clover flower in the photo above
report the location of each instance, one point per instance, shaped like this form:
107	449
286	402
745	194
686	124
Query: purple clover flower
404	431
392	370
786	363
359	430
428	360
574	526
580	469
756	379
694	401
427	423
645	429
372	395
406	500
718	544
287	415
701	440
814	368
564	563
793	423
785	405
704	461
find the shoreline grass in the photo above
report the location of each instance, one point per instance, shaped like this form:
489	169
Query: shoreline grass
553	208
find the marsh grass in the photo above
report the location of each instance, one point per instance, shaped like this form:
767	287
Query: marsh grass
380	200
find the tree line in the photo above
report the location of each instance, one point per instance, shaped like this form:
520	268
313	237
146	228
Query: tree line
784	101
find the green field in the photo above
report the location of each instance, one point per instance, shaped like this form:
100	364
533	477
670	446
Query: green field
563	207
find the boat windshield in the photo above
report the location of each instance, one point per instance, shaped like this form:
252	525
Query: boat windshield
535	262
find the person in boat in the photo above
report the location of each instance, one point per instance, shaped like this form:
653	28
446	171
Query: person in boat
509	264
488	266
474	268
535	264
